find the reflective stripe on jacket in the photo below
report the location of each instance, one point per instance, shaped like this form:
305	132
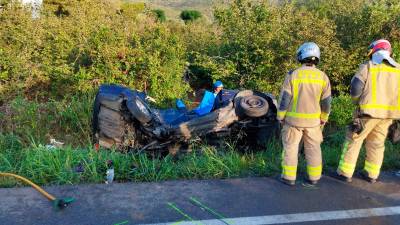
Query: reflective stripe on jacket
302	92
380	97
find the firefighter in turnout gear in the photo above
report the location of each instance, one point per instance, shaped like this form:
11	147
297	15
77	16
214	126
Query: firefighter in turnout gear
304	107
375	90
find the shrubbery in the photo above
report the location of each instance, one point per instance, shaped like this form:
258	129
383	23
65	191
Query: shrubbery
257	42
190	15
59	56
342	110
160	15
249	45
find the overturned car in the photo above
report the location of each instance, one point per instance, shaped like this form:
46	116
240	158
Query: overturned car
123	119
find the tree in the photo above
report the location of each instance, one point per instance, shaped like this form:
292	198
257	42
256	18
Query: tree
160	15
190	15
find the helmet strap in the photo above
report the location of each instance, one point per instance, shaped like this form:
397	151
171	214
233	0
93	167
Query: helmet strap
310	61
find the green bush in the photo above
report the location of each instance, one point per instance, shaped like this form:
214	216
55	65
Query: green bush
160	15
342	110
255	42
252	44
190	15
261	41
55	56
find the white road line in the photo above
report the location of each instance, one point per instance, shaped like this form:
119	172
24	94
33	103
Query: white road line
295	218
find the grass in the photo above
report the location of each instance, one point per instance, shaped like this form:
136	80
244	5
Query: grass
332	148
26	127
59	166
36	122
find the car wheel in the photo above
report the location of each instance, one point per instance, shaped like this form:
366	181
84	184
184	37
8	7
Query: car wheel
236	102
253	106
139	109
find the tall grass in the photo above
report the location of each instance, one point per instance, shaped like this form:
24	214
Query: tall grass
61	166
35	122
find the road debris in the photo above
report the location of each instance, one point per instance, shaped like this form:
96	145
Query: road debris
54	144
110	172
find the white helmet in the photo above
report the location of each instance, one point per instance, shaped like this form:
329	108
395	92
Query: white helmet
308	50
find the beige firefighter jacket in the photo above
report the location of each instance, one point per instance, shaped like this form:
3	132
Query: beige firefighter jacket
380	96
305	97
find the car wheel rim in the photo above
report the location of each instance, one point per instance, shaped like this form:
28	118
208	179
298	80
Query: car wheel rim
254	103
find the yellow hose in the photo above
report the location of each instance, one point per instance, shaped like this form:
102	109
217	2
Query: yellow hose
39	189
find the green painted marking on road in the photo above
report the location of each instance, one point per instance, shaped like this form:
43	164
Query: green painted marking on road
208	209
303	217
173	206
125	222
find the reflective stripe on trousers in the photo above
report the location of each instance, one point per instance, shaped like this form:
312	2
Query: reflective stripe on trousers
291	137
374	134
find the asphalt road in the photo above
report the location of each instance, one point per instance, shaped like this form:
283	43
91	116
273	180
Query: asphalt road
245	201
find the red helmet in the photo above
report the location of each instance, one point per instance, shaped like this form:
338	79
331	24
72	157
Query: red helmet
381	44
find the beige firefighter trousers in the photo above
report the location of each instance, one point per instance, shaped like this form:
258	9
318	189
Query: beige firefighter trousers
374	134
291	138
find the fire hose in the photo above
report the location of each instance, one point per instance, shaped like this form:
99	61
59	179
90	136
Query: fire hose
58	203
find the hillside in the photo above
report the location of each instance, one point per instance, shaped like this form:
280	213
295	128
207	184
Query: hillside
173	8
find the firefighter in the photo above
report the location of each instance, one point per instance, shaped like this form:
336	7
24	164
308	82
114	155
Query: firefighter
375	90
304	107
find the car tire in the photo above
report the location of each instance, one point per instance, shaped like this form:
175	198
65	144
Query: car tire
139	110
236	102
240	95
254	106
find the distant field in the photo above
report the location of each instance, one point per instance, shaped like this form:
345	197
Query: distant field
173	8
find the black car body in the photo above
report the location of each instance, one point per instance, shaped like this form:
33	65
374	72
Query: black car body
123	119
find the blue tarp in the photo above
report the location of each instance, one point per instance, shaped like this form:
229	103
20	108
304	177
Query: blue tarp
180	104
175	117
206	104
